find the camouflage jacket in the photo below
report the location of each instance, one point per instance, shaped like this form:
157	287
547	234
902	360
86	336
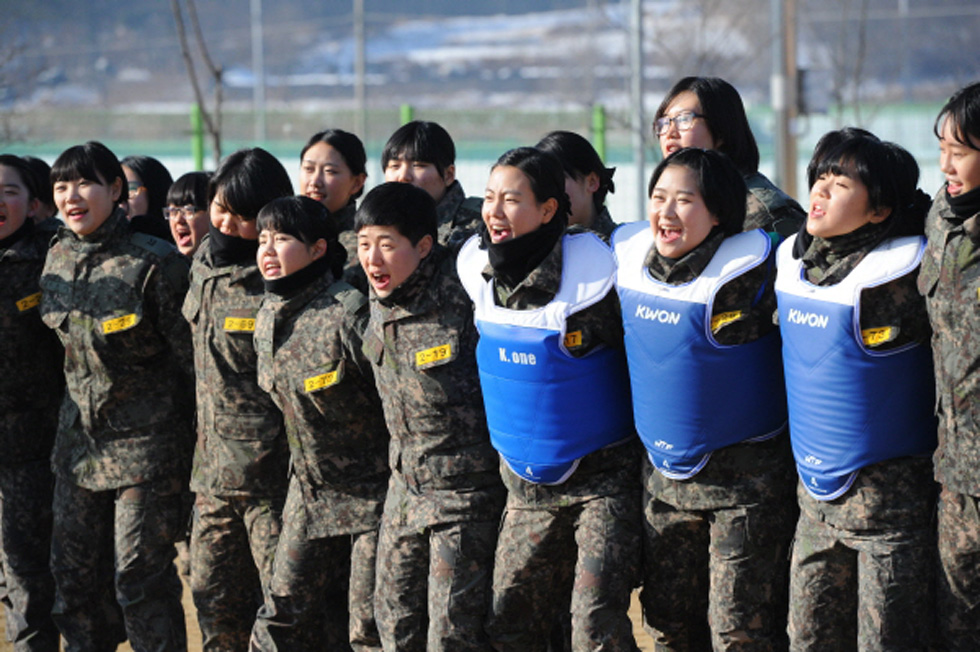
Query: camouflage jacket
353	273
770	209
459	217
741	473
421	342
950	281
241	445
32	384
603	226
605	472
310	362
113	297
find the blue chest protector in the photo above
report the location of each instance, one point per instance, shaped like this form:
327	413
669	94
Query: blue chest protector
691	395
850	406
546	409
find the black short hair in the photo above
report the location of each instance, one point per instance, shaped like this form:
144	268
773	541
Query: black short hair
827	143
91	161
24	171
888	172
154	177
579	158
42	177
303	218
546	174
421	141
724	115
719	182
409	209
348	145
248	180
190	189
963	109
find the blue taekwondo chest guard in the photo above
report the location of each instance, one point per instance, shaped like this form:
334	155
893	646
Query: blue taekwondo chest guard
850	406
546	409
691	395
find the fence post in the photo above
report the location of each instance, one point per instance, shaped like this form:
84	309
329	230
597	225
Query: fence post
599	130
197	137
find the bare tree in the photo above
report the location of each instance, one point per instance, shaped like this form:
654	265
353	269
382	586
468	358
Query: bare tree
212	118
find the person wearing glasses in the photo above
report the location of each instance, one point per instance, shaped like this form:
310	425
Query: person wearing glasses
187	211
147	181
707	112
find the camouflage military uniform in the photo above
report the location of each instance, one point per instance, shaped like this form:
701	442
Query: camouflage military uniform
31	389
353	273
459	217
862	565
124	438
715	567
240	463
581	538
310	361
770	209
950	281
439	527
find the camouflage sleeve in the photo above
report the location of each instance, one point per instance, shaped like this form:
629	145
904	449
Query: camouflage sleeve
166	288
598	324
744	309
353	337
894	314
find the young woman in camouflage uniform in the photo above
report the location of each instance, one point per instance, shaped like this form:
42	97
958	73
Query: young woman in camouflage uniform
241	459
859	384
125	433
31	389
554	380
950	282
308	339
708	398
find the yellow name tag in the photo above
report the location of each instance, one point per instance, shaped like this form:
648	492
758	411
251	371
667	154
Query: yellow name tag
319	382
724	318
240	324
435	354
29	302
573	339
876	336
118	324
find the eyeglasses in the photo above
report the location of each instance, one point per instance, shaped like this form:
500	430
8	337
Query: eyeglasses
135	187
174	212
683	120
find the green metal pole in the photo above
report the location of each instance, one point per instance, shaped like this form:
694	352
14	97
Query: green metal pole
599	130
197	137
407	113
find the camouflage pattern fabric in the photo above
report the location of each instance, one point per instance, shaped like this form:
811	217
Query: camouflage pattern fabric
31	389
715	550
123	445
233	545
311	363
444	499
575	545
113	297
862	568
770	209
241	445
459	217
949	278
344	221
137	525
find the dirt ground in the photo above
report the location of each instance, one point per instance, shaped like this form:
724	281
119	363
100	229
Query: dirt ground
194	634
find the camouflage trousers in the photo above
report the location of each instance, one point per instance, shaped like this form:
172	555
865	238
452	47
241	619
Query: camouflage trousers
958	604
233	546
716	579
586	555
131	530
26	494
433	586
322	593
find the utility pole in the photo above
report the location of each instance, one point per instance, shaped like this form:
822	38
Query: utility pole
360	94
636	100
258	72
782	88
